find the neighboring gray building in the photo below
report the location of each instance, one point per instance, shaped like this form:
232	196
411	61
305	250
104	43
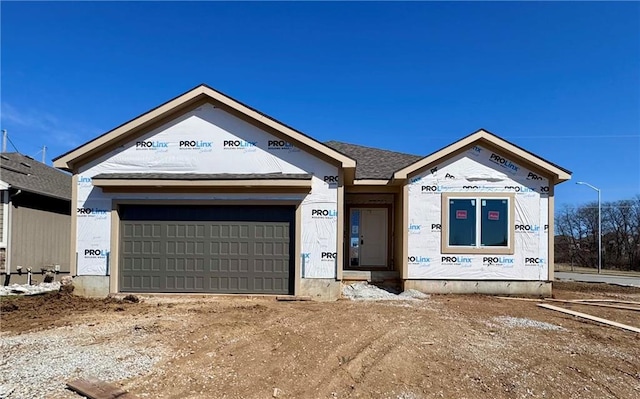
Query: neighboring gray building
35	218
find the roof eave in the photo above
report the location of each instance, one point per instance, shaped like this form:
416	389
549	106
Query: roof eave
38	192
559	174
71	159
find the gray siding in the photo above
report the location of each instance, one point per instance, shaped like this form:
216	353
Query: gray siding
40	233
1	216
3	250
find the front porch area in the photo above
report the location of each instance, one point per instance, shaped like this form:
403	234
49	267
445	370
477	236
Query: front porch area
372	237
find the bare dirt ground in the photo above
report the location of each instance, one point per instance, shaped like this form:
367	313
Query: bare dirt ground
446	346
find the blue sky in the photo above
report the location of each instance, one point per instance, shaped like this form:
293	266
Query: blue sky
559	79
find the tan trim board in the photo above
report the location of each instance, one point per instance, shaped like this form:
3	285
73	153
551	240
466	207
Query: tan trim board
372	189
200	183
205	202
297	272
404	261
340	247
73	257
208	190
114	250
550	233
370	182
482	137
444	214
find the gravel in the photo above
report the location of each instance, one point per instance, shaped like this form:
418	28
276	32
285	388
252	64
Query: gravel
38	364
363	291
527	323
25	289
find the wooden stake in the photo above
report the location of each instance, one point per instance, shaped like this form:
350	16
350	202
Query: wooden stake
607	300
520	299
604	305
589	317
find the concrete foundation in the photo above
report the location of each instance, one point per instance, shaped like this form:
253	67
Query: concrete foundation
320	289
91	286
525	288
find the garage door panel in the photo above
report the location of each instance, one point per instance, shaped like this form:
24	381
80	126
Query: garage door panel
199	255
148	283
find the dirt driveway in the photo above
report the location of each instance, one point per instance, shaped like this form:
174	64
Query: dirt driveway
441	347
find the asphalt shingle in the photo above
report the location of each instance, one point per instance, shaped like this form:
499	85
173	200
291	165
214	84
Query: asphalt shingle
27	174
374	163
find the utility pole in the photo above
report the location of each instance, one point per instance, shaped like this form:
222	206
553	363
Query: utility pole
44	154
4	140
599	224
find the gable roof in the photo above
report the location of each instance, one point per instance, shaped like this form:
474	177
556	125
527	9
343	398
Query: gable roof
484	137
24	173
181	104
374	163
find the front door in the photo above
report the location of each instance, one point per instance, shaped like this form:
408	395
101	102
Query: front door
368	237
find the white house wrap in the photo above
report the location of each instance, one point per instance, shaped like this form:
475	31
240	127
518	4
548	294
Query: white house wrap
204	194
209	140
478	170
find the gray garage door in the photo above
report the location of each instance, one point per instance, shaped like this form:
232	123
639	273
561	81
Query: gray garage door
221	249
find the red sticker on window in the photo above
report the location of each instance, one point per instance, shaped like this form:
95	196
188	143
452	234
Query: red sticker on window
461	214
494	215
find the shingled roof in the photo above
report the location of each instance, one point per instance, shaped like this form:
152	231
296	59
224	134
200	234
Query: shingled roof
24	173
374	163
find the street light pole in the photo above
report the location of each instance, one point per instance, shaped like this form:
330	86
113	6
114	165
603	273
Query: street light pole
599	225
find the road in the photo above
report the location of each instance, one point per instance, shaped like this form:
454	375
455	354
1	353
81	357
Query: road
598	278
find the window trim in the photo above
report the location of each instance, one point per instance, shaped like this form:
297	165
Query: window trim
445	248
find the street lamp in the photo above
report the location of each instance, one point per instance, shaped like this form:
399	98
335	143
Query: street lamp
599	225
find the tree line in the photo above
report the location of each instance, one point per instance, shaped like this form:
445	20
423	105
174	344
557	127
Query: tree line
576	239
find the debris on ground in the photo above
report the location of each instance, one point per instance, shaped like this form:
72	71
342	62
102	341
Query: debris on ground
7	307
97	389
26	289
527	323
363	291
414	294
131	298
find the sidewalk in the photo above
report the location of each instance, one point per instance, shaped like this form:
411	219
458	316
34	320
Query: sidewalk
599	278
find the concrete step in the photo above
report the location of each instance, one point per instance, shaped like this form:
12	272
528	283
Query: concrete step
370	275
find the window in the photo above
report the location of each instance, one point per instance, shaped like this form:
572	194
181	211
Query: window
477	223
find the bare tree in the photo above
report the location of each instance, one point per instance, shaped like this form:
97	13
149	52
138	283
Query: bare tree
577	234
